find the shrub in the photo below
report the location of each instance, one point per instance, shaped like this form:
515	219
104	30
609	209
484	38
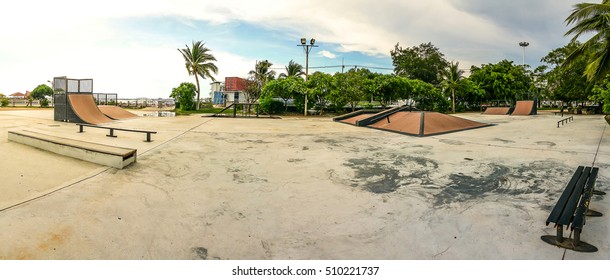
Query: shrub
3	101
270	106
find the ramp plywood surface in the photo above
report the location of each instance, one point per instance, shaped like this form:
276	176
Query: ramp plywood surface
433	123
496	111
85	108
117	113
523	108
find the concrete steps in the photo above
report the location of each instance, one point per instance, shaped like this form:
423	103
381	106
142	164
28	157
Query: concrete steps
116	157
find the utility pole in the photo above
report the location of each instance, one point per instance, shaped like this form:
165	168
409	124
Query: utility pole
307	48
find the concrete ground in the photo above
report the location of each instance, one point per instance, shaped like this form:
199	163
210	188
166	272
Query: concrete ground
296	188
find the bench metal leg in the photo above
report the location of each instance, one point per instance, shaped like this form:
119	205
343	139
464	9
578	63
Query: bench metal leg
147	136
111	133
568	243
80	130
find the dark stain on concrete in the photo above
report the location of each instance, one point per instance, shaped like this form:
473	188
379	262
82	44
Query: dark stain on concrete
503	140
380	175
201	252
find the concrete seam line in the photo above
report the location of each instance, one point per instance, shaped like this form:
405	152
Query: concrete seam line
54	191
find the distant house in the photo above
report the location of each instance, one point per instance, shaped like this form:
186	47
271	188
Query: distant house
18	95
231	91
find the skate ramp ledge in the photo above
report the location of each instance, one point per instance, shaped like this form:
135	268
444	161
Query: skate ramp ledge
117	157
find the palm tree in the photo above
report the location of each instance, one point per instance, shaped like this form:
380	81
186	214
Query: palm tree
293	70
198	62
591	18
453	76
262	73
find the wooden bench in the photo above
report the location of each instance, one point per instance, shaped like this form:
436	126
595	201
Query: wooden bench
112	129
571	210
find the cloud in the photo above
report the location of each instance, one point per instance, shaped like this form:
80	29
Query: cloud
92	39
327	54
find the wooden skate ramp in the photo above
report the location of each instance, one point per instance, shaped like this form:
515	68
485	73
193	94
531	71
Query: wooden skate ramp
353	120
116	113
425	123
496	111
84	107
524	108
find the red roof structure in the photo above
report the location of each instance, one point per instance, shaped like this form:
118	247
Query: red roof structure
18	95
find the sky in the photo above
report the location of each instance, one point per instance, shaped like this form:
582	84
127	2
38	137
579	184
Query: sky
130	47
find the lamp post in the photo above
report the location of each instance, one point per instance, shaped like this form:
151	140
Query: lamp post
307	48
524	45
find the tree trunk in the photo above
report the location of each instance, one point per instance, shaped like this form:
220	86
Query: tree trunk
198	91
453	100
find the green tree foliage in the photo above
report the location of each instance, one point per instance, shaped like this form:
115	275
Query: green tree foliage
590	18
468	95
501	81
3	100
428	97
424	62
601	94
565	82
358	86
262	73
285	89
390	88
184	94
319	88
199	63
270	106
253	92
40	93
293	69
452	77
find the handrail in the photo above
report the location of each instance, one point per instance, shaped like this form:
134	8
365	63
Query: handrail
112	129
568	119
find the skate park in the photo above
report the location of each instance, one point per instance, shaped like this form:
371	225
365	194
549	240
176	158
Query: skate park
299	188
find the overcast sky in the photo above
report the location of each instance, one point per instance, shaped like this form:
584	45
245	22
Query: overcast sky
130	47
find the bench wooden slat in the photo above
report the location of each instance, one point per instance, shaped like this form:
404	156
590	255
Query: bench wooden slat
583	206
559	206
568	212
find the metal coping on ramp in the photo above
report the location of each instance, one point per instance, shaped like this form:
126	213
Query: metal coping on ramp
404	121
117	157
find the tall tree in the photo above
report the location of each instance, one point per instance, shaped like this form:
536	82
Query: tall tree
262	73
40	93
320	85
501	81
199	63
591	18
293	69
566	82
424	62
285	89
452	78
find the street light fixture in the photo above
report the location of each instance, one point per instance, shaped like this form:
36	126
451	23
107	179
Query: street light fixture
524	45
307	48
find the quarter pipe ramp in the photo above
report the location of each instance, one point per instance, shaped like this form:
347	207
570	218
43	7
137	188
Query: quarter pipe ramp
524	108
85	109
